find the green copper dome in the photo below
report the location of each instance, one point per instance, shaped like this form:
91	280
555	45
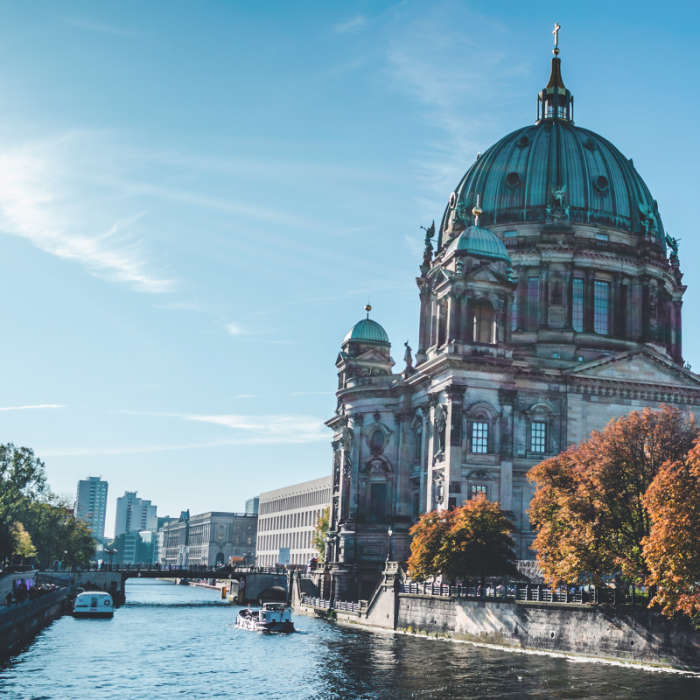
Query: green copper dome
553	166
367	331
482	243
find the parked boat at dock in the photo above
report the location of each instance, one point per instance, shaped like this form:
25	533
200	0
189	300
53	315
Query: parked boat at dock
272	617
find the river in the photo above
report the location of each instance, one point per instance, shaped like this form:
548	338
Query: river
173	641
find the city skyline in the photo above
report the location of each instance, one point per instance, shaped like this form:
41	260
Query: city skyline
202	222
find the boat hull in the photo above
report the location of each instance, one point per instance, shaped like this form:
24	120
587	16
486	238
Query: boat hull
94	614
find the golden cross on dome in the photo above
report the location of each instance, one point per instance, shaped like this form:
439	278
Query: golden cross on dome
557	27
368	308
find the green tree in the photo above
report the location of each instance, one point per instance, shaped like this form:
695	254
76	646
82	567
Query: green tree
24	547
22	480
321	533
57	534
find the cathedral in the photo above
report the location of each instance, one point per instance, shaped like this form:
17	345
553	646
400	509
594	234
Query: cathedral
550	302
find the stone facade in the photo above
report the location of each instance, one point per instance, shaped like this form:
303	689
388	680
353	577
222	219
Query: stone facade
531	334
208	539
215	538
287	518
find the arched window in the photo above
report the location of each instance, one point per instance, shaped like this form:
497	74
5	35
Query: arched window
483	323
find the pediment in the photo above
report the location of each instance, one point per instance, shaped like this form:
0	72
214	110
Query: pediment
485	274
641	367
374	356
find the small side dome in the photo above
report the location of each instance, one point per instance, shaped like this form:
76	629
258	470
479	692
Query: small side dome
482	243
367	331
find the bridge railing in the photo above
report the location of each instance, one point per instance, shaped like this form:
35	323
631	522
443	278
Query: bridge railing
323	604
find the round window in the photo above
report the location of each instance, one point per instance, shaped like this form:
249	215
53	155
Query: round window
513	180
523	141
601	183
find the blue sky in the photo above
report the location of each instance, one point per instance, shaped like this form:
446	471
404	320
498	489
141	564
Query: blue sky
197	199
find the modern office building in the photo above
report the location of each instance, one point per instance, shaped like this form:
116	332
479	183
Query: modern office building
286	522
134	548
134	514
91	505
251	506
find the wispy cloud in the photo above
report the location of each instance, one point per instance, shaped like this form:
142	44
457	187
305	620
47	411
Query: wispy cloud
32	407
456	77
269	429
38	203
102	28
352	24
274	429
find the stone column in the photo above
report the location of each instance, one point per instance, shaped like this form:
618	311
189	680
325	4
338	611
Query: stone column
453	438
356	424
450	325
429	443
424	327
423	455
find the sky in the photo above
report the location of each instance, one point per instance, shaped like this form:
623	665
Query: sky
197	200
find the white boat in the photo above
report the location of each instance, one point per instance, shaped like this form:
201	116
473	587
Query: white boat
272	617
93	604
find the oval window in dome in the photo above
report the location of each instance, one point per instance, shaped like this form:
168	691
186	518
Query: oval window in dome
589	143
513	180
523	141
453	200
601	184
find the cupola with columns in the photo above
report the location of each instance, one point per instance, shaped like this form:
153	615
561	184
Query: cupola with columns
466	298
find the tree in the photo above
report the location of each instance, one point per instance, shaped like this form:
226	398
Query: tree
672	547
321	533
22	479
472	540
588	506
57	534
428	536
24	547
479	542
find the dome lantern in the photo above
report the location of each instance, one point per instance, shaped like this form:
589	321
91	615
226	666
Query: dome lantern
555	101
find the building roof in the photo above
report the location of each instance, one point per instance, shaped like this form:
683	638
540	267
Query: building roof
304	487
367	331
480	242
553	162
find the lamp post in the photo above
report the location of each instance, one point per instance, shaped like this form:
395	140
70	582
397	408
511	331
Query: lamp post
389	533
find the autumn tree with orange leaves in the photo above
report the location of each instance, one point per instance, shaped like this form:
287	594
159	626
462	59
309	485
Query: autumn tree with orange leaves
671	550
472	540
589	507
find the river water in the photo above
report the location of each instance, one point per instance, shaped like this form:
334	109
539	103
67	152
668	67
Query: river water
173	641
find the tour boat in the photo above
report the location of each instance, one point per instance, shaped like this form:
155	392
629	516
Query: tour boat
93	604
273	617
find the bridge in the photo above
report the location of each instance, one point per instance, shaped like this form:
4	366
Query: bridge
248	584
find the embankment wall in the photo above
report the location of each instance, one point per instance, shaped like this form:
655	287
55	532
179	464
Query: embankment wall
19	623
639	636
